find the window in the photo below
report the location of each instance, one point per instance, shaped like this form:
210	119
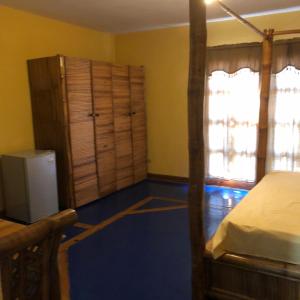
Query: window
232	117
284	121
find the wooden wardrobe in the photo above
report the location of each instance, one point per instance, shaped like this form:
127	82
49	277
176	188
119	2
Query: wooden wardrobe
93	115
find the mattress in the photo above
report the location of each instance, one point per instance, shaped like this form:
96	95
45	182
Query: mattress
266	223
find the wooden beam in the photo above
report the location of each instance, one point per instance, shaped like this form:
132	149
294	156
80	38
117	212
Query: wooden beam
198	36
241	19
267	48
283	32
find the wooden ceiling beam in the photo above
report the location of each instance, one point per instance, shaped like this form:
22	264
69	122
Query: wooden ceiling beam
284	32
241	19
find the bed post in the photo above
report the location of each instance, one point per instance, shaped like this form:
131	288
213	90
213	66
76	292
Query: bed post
197	70
266	69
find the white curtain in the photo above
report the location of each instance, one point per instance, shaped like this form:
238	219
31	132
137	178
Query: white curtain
232	115
284	121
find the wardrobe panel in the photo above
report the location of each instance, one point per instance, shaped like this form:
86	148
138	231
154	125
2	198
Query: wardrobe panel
104	126
122	125
82	142
107	174
86	190
105	142
82	135
78	76
122	111
49	115
138	121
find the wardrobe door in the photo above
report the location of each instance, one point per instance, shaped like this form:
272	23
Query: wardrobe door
122	125
81	126
104	126
138	112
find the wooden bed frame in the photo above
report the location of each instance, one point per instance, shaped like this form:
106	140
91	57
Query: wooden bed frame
231	276
242	277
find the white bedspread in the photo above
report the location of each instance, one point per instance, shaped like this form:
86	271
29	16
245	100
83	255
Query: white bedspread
266	223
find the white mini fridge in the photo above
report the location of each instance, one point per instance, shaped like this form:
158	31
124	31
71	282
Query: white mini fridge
30	185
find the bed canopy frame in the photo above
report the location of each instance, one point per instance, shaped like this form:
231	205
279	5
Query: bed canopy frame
202	265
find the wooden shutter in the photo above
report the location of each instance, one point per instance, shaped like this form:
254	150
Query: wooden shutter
79	95
122	125
137	92
104	126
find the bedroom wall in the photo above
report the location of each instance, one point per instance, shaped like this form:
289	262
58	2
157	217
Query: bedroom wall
164	53
24	36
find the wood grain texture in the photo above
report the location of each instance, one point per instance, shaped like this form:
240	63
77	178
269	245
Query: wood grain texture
63	261
246	277
9	228
122	126
196	93
92	114
29	259
138	122
79	96
267	49
104	127
49	114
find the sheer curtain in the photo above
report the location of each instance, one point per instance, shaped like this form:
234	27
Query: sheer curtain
232	115
284	121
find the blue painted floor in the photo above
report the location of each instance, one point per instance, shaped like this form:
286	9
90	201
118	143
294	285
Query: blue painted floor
141	256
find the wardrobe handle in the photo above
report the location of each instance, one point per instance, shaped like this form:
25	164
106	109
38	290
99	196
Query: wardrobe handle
94	115
134	113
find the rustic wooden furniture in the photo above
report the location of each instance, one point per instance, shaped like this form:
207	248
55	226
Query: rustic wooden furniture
93	115
28	257
208	275
8	228
241	277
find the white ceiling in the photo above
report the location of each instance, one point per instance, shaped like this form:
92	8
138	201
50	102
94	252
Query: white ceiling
136	15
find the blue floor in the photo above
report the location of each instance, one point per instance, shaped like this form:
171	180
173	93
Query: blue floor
142	256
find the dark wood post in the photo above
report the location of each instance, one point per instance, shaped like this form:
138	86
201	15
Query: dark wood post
196	94
266	70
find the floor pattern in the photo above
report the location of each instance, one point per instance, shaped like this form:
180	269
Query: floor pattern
134	244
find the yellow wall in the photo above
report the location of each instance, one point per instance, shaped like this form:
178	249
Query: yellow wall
164	53
24	36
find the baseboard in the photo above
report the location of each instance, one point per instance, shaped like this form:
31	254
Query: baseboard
230	183
167	178
208	181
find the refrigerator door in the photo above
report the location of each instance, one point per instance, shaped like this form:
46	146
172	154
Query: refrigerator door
30	185
41	186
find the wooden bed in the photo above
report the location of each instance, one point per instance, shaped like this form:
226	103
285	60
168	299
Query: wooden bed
242	277
230	276
259	227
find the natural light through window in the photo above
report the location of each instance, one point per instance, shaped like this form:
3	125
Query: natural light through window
284	127
233	111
